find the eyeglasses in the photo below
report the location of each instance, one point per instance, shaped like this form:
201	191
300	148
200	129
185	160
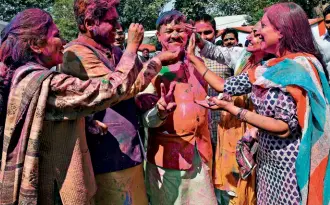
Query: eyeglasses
227	39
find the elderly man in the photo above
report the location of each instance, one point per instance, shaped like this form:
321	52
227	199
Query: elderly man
179	147
112	135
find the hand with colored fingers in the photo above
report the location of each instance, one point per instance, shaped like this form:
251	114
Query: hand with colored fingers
135	37
170	57
166	104
191	46
216	104
103	128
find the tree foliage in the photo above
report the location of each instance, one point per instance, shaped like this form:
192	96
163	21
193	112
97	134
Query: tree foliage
140	11
192	8
62	12
254	9
9	8
146	12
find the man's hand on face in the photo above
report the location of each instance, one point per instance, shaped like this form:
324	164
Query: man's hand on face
170	57
135	37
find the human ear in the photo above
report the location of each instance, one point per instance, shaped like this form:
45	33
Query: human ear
89	25
158	35
36	49
279	34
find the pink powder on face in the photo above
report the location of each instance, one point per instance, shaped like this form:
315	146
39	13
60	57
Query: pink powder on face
52	52
105	30
173	36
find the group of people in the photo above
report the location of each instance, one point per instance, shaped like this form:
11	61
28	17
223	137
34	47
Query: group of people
196	124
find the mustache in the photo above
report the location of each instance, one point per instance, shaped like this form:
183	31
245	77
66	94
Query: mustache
175	40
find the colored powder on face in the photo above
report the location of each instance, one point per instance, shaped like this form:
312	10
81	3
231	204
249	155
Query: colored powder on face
165	71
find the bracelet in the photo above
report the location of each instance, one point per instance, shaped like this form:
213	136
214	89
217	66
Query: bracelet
241	115
238	116
205	72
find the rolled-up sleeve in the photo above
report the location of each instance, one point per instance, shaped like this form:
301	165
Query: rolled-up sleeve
71	97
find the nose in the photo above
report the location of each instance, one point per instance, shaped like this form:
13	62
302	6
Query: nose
175	34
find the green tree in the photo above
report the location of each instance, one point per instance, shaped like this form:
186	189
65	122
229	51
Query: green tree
143	11
255	9
192	8
62	12
9	8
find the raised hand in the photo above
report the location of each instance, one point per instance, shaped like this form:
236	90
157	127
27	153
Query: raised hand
170	57
135	37
166	104
191	46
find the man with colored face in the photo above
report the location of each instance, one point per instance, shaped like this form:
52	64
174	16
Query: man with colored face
229	37
179	150
206	28
112	135
324	41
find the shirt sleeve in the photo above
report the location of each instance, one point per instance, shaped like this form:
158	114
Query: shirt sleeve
238	85
286	110
151	118
221	54
81	62
71	97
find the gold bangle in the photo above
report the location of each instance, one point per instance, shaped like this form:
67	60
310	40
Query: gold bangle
205	72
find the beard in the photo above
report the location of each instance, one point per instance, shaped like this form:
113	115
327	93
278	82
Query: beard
104	38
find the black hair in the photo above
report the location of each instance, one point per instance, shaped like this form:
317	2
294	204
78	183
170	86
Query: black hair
229	30
207	18
145	49
326	11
